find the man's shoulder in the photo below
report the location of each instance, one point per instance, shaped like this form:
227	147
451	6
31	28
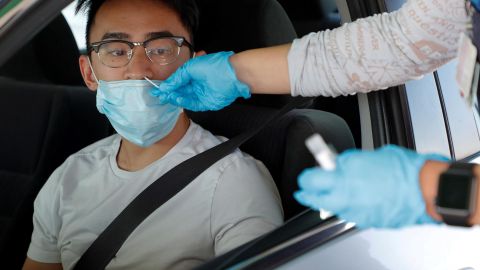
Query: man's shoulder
81	163
205	140
100	148
91	155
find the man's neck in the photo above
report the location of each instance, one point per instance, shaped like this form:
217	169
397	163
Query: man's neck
132	157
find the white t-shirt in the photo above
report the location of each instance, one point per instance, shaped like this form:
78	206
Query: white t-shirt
229	204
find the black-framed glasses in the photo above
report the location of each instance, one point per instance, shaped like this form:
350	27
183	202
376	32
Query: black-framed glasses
160	50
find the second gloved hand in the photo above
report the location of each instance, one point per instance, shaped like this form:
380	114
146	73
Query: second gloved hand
203	83
371	188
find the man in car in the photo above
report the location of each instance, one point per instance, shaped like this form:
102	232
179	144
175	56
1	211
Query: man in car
134	44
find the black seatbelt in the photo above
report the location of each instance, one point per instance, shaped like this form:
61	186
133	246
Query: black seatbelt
104	248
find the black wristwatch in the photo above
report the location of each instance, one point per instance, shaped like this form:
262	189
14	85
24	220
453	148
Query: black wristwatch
457	194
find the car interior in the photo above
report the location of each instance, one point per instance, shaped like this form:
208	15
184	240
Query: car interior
48	114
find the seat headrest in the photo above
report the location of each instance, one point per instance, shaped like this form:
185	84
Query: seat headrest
312	15
62	56
309	9
242	25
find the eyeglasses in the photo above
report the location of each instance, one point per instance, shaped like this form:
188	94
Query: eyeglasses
160	50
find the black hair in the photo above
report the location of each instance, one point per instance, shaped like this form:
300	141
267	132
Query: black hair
187	10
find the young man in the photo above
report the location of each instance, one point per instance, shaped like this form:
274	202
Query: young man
229	204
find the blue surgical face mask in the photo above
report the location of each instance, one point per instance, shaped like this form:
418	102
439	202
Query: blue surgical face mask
134	113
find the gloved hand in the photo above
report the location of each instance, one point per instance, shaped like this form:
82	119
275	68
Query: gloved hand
371	188
203	83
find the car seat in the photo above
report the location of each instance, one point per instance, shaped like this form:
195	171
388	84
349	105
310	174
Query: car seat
44	119
242	25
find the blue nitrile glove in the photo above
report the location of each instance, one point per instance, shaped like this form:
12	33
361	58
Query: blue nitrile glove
371	188
203	83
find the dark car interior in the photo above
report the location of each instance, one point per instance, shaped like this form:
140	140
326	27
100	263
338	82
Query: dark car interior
47	114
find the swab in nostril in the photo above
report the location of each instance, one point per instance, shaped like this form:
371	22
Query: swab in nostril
148	80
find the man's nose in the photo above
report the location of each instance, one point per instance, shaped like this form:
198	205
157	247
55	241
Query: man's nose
139	66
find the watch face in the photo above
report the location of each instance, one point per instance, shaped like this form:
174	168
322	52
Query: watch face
454	192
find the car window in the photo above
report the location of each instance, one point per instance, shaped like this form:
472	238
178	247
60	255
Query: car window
447	125
460	120
77	24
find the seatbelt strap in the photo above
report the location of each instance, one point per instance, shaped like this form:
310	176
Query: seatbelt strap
105	247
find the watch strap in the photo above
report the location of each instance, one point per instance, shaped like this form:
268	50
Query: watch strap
456	220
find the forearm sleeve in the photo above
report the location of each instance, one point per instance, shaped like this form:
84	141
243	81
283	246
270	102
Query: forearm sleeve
377	52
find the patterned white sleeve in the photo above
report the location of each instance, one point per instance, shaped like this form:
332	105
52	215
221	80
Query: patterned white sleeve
377	52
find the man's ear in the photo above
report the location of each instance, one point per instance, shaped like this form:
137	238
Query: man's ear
87	73
199	53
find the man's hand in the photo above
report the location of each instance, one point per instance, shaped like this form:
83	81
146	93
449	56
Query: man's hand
371	188
203	83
